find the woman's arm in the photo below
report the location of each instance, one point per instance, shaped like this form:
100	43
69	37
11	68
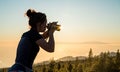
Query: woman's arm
48	46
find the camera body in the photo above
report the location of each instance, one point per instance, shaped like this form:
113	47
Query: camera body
53	25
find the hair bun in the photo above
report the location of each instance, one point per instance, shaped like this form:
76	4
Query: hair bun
30	12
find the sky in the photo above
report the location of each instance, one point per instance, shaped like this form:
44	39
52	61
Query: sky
84	24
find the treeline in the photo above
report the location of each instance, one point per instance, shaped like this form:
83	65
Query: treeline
105	62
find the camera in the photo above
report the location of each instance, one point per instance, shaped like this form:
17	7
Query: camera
53	25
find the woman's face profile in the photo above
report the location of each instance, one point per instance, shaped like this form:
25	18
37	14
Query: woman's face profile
41	27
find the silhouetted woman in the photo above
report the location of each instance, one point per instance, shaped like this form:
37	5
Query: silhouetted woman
28	46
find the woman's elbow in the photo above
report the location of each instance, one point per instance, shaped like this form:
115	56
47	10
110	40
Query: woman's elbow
50	51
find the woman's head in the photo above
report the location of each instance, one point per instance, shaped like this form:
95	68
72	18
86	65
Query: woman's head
37	20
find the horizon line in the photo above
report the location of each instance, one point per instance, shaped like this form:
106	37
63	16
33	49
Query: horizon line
89	42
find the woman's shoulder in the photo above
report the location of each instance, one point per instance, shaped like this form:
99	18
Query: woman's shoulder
25	34
32	35
29	32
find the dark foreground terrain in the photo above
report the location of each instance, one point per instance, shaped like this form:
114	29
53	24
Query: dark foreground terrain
105	62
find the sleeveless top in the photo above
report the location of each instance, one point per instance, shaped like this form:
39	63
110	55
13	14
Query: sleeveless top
27	48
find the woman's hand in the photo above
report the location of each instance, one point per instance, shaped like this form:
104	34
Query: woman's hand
51	32
45	34
48	33
51	27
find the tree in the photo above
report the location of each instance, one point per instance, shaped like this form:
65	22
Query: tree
70	67
90	56
118	57
118	60
51	66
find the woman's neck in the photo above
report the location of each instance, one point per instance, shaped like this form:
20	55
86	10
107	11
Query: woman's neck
34	29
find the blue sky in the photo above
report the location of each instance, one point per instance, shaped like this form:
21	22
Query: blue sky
84	19
95	22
